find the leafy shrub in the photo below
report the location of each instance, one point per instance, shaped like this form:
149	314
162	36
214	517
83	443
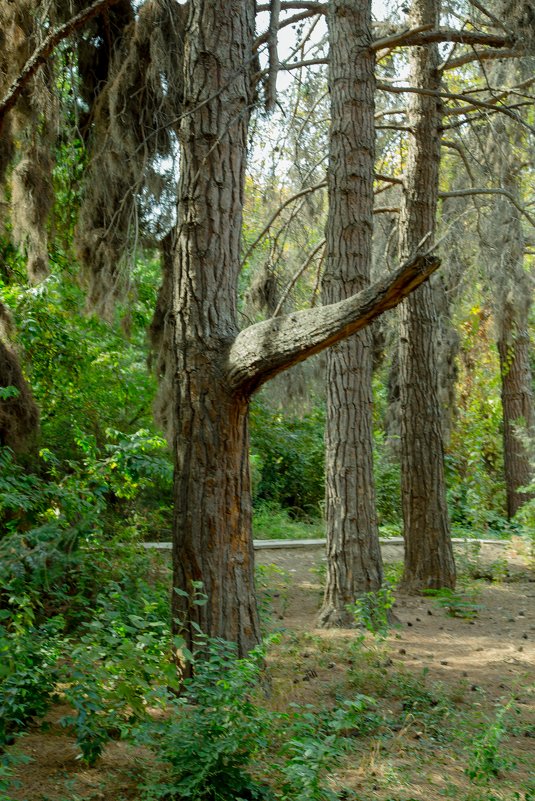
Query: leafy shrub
213	731
456	604
52	554
28	673
288	459
112	671
371	610
316	740
487	759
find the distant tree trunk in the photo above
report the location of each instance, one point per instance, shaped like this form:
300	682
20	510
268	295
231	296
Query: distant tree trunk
354	563
517	402
428	552
19	415
512	295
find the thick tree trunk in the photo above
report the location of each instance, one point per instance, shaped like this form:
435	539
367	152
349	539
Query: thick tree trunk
217	368
212	527
354	563
428	551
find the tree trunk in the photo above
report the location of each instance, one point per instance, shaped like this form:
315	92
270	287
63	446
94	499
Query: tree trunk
428	551
517	403
216	368
212	527
354	563
504	249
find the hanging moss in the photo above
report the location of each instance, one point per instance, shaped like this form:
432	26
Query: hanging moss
135	121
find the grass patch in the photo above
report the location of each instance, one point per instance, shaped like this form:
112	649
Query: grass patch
274	523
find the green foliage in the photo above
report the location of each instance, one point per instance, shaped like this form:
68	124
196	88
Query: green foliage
488	759
525	517
371	610
51	554
212	731
316	740
115	667
288	459
387	486
28	671
456	604
271	522
474	460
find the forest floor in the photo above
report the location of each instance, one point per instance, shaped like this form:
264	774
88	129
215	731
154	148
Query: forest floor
458	692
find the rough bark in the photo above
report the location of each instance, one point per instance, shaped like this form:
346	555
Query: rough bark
354	564
212	528
217	368
265	349
428	552
19	415
517	403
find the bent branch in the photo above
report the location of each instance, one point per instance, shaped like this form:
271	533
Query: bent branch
265	349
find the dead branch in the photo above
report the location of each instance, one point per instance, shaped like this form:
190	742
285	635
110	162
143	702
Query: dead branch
424	35
477	55
496	191
271	83
262	350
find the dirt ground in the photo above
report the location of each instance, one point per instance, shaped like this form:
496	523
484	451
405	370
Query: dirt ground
497	647
489	661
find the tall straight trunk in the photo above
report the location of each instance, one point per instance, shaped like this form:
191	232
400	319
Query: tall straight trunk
211	537
354	563
428	552
504	249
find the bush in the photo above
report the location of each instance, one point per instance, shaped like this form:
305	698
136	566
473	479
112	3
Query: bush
287	454
213	732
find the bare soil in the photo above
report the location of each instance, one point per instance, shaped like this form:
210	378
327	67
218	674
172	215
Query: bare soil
478	665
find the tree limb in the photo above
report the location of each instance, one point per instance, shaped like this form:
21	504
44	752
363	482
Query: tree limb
264	37
423	35
470	102
317	8
482	191
389	179
271	82
490	15
267	348
477	55
45	49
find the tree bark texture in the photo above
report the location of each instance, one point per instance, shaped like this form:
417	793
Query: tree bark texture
212	528
428	552
517	403
216	368
512	298
354	564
